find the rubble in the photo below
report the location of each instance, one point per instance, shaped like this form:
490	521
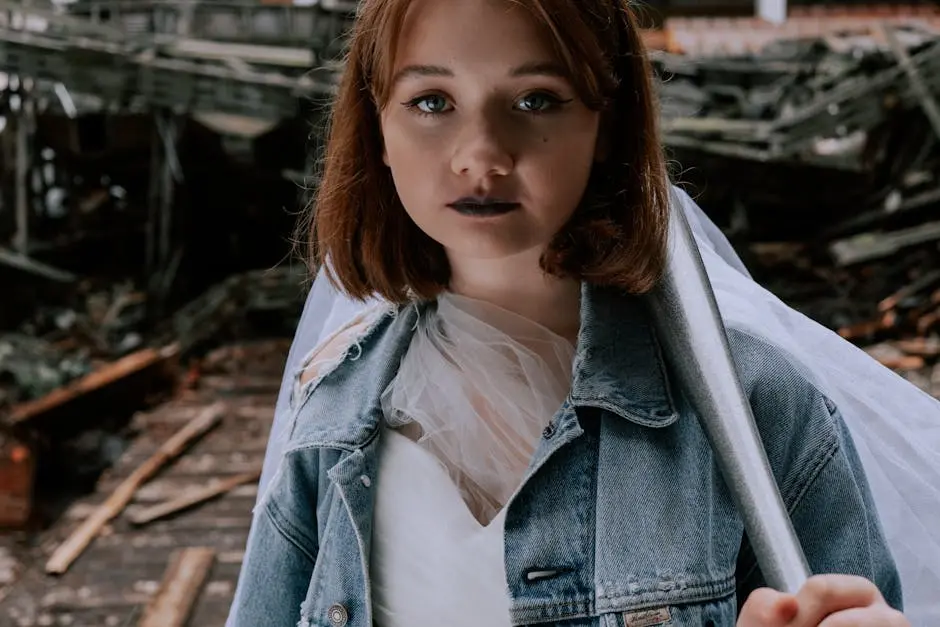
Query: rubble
65	394
820	156
117	579
63	354
31	367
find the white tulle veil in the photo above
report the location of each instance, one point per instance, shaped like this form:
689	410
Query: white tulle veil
895	425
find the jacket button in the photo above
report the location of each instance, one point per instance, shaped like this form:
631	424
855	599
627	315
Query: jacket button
548	431
338	615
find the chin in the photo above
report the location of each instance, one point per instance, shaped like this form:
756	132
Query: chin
494	249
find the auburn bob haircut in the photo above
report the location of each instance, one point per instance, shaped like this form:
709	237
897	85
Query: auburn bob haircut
357	225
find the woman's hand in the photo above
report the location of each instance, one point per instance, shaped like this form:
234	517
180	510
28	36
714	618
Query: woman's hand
824	601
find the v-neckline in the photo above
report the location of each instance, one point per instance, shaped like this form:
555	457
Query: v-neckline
455	493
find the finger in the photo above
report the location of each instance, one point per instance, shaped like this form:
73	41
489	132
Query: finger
767	608
823	595
874	616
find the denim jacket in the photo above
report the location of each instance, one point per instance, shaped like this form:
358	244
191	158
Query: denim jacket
622	518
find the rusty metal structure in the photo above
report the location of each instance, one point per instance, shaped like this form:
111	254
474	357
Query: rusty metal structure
239	66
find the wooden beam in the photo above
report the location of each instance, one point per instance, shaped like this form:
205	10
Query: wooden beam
193	497
203	49
180	589
69	550
101	378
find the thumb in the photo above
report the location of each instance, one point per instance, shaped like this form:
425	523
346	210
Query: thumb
768	608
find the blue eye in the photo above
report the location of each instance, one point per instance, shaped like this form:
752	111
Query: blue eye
537	103
429	105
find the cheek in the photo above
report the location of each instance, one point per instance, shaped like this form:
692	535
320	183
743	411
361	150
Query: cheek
400	153
562	167
409	166
408	148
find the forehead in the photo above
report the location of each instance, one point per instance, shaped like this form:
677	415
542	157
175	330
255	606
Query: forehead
471	32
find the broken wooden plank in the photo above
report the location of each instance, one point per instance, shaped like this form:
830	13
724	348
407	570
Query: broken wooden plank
920	346
194	497
101	379
182	584
871	246
906	362
861	330
69	551
919	284
928	321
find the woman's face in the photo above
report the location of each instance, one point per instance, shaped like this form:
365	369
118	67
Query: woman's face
489	145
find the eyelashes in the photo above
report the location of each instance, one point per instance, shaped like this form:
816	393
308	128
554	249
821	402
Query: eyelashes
422	105
533	103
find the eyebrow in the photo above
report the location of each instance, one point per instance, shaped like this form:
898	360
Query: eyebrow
536	68
540	68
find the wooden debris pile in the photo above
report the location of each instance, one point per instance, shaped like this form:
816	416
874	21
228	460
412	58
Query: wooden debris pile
810	133
794	98
821	158
108	336
161	538
66	392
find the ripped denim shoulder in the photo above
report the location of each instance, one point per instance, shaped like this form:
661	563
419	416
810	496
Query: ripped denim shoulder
323	359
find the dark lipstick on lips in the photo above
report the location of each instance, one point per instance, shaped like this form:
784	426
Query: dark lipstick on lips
483	206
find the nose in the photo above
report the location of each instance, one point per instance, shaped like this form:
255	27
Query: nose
482	151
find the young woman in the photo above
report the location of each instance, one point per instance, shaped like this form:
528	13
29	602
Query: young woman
496	440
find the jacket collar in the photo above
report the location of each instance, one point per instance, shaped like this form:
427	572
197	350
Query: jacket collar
618	367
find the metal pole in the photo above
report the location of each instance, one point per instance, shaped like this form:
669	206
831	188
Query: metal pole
696	345
774	11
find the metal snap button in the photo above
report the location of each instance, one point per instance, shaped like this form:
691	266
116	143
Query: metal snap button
339	616
548	431
366	481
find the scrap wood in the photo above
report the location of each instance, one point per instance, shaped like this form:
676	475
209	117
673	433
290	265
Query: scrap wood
868	328
920	284
890	355
181	586
872	246
928	321
101	378
920	319
69	551
193	497
905	362
921	346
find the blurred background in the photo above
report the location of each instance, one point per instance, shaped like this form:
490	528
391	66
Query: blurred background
154	155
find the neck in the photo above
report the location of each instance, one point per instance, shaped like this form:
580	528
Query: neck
519	285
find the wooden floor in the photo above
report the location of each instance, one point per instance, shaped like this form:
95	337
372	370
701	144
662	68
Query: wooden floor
111	583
